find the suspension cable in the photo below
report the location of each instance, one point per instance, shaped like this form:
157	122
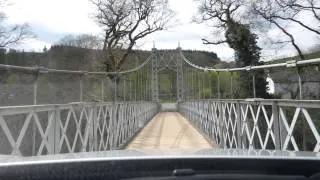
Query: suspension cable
44	70
248	68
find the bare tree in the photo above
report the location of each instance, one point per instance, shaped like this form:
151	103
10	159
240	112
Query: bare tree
125	22
222	13
282	13
86	41
11	35
14	34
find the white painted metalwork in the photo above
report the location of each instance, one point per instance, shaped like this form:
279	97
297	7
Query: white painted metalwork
82	127
44	70
288	64
256	123
69	128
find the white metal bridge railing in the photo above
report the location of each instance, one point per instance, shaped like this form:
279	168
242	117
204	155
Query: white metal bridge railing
257	124
68	128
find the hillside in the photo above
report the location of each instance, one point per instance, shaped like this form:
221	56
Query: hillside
72	58
312	55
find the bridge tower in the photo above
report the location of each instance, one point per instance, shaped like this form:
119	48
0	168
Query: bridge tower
167	59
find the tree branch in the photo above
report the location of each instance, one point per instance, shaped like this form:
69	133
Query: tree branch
204	41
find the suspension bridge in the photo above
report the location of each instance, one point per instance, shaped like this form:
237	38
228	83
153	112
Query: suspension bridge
135	118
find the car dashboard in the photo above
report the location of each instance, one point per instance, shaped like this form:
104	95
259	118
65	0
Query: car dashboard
170	168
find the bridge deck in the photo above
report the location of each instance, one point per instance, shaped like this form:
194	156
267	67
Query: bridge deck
169	130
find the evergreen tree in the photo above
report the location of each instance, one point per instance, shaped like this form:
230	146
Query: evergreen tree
247	53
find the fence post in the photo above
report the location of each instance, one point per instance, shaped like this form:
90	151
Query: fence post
276	125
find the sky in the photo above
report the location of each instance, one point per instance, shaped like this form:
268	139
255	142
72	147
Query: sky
52	19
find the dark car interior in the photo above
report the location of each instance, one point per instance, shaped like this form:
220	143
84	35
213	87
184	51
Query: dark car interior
169	169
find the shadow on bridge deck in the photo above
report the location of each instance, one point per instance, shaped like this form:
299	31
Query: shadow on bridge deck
169	130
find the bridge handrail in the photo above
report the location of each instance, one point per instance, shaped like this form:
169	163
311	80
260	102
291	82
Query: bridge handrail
257	124
280	102
74	127
288	64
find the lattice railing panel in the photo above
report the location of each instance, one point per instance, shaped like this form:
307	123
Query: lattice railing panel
69	128
257	124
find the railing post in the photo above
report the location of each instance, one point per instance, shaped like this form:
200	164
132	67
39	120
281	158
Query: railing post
192	85
95	125
54	135
300	84
57	131
124	89
254	84
304	126
239	124
199	86
35	93
130	89
115	93
81	87
276	126
222	125
219	94
231	88
135	87
210	86
35	88
102	90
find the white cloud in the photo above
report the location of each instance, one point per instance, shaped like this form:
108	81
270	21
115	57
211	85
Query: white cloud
35	45
69	16
53	18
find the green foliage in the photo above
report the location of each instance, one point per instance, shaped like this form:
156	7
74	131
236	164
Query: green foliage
247	53
202	58
227	90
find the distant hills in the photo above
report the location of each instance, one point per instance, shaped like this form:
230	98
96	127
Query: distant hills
73	58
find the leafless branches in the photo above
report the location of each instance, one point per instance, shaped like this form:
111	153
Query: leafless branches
222	12
281	12
11	35
214	43
125	22
261	14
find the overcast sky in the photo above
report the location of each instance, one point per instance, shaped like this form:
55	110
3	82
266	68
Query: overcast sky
52	19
